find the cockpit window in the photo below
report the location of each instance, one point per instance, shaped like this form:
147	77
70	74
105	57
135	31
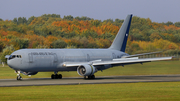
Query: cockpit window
14	56
18	56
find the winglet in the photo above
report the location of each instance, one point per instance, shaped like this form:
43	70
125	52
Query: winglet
120	40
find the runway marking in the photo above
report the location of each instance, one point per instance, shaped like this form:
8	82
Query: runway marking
80	80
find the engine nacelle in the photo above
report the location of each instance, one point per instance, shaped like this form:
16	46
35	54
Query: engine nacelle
86	70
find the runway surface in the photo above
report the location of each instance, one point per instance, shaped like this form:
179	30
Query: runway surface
97	80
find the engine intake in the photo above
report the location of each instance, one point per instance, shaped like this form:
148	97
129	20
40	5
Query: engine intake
86	70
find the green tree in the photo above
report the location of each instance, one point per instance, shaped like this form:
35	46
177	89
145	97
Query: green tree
2	45
84	42
24	20
108	21
177	36
15	20
6	51
20	43
118	22
42	47
84	18
58	44
30	19
51	15
69	17
95	22
177	24
20	20
107	36
89	33
168	23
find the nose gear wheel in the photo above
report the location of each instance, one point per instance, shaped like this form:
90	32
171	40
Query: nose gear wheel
18	75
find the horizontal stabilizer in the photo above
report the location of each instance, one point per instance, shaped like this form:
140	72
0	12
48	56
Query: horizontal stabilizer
7	56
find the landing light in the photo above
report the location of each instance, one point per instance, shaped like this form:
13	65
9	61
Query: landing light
64	65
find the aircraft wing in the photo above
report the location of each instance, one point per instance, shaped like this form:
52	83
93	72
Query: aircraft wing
120	61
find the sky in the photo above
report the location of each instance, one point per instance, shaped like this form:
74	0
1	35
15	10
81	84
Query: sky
156	10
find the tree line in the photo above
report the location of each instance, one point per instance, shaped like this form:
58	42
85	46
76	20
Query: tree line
52	31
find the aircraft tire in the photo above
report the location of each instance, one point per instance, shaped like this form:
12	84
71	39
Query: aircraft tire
91	77
52	76
59	76
56	76
85	77
19	78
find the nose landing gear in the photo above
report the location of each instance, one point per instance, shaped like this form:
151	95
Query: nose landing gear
18	75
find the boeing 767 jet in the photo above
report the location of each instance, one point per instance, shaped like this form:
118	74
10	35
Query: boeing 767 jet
85	61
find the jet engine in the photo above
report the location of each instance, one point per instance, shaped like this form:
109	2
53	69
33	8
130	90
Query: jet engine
86	70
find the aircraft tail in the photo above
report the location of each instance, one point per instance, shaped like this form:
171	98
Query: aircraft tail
120	40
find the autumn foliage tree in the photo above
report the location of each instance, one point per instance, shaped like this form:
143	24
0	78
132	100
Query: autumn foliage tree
52	31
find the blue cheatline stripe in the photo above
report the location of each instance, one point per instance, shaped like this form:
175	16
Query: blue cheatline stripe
126	36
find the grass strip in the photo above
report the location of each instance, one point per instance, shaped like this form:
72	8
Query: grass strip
160	91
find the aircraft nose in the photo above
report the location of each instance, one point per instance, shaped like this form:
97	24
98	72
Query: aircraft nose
9	63
14	64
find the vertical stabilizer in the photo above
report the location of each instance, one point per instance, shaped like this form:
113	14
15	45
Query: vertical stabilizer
120	40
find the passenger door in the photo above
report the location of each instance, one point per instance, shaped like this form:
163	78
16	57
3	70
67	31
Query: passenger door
30	58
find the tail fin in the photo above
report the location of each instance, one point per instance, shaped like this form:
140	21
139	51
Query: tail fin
120	40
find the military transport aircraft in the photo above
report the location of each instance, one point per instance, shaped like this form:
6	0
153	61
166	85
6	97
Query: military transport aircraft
85	61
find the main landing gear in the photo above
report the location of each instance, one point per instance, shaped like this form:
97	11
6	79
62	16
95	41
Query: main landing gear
18	75
56	76
89	77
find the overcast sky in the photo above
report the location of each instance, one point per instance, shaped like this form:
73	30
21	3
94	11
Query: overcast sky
156	10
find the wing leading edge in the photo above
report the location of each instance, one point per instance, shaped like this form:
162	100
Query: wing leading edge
120	61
